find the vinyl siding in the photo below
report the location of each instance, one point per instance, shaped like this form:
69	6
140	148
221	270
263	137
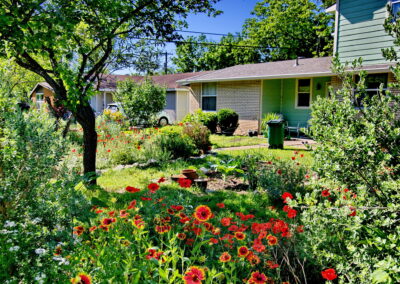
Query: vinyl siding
361	32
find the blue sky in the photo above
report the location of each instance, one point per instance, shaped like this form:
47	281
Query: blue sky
235	12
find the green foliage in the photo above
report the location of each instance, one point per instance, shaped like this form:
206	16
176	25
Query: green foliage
227	167
175	144
267	117
352	213
208	119
141	102
291	28
227	120
199	134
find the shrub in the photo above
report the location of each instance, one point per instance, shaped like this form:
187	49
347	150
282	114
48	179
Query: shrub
199	134
174	143
227	120
264	123
355	204
208	119
141	102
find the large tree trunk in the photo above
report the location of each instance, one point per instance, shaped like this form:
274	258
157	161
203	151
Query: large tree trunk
85	117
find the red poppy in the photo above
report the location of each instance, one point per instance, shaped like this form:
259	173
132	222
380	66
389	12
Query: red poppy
73	150
161	180
325	193
329	274
226	221
132	189
98	211
279	172
111	213
203	213
184	182
258	278
243	251
225	257
177	207
213	241
286	208
108	150
272	240
285	196
291	213
353	212
132	205
82	278
194	275
220	205
293	158
153	187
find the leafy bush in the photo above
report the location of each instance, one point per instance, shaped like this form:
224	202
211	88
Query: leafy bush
277	176
355	204
113	116
227	120
208	119
141	102
177	145
251	166
264	123
199	134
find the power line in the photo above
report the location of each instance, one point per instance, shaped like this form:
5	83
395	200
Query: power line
207	43
206	33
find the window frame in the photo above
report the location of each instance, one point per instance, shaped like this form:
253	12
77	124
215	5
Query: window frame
208	96
42	96
392	3
372	89
296	101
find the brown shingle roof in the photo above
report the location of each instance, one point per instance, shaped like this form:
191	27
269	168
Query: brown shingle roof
109	81
279	69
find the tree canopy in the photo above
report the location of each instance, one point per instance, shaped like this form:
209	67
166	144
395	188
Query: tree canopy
70	43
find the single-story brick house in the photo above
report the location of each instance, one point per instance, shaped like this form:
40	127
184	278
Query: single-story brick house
286	87
178	100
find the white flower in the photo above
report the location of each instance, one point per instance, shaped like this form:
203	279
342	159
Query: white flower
40	251
61	260
40	278
36	220
15	248
9	224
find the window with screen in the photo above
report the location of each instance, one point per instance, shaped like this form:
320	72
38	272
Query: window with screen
303	99
372	86
209	97
395	8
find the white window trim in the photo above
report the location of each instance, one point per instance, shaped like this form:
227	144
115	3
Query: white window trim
391	3
297	93
40	93
209	96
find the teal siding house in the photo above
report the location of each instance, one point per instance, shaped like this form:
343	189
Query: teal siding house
290	87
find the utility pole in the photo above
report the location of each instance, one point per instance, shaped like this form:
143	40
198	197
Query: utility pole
166	61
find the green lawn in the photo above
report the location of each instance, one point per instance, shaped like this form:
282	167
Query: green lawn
117	180
221	141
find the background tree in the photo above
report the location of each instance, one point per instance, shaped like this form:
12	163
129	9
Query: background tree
189	54
141	102
76	40
291	28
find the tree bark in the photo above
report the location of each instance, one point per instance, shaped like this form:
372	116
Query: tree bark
85	117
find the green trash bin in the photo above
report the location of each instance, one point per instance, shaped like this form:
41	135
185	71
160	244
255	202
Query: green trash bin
276	133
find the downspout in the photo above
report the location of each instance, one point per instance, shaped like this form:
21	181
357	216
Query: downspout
337	18
281	96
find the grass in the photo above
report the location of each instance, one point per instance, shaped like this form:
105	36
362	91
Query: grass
221	141
117	180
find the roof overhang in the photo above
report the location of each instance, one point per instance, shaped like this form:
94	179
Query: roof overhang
168	90
332	9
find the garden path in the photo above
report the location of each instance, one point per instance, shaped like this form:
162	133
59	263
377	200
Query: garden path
299	143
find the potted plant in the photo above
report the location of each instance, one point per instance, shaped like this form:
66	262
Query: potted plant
227	121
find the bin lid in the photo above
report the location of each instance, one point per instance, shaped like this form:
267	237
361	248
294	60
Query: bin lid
276	121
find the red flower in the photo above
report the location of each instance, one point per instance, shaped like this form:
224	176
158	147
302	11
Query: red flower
91	229
213	241
272	264
240	236
203	213
272	240
285	196
353	212
194	275
177	207
300	229
161	180
146	198
81	279
325	193
291	213
132	204
258	278
73	150
279	172
220	205
78	230
153	187
108	221
132	189
329	274
108	150
226	221
243	251
181	236
184	182
225	257
123	214
98	211
293	158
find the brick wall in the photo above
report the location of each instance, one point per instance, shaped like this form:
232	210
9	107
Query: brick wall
244	98
194	97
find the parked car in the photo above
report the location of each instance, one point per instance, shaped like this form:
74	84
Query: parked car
163	117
